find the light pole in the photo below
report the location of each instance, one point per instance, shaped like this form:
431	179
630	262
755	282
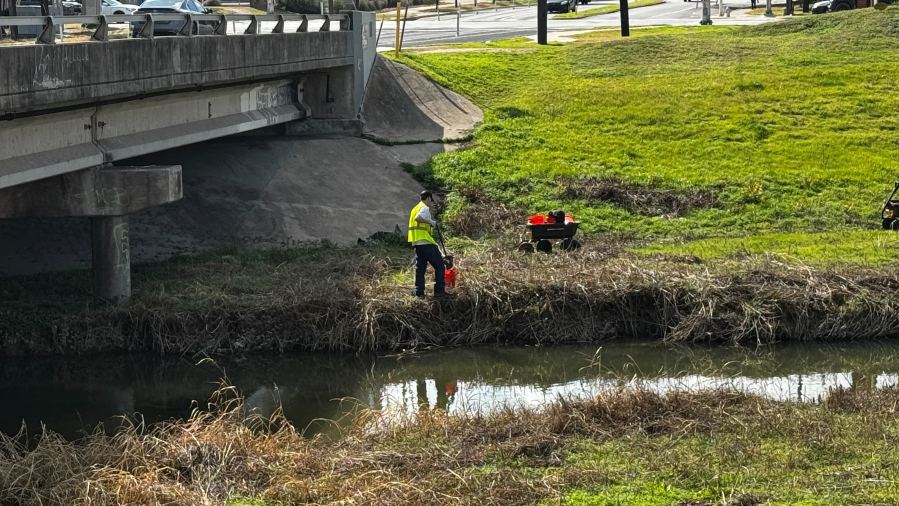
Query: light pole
541	22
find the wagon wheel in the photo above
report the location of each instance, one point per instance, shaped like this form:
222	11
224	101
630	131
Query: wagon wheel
544	246
570	244
526	247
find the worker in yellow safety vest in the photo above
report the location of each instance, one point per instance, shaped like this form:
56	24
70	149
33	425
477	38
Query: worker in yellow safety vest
421	225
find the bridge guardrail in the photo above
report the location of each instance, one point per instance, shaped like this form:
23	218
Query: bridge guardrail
146	22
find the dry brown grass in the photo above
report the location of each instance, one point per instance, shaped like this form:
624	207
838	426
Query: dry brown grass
484	215
649	200
511	457
219	454
592	296
361	301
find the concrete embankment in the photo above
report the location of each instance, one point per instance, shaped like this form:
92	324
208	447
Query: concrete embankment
268	190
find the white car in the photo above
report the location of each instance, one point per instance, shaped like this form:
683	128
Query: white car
114	7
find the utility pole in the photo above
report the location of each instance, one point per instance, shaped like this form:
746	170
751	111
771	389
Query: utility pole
396	42
13	30
625	19
768	12
541	22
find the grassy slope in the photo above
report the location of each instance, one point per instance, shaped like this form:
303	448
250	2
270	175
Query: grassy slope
791	125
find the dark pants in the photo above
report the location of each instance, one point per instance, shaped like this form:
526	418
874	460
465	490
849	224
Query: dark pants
424	255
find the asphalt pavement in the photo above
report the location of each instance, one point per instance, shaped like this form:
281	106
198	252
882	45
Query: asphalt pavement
489	24
492	24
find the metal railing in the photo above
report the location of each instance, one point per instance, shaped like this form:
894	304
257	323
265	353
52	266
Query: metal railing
144	25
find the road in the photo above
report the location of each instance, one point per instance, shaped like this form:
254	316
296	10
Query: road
522	21
490	24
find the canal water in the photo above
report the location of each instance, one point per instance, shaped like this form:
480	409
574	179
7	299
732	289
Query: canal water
71	395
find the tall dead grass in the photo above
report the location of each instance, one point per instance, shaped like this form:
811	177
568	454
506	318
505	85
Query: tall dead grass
217	454
363	303
588	296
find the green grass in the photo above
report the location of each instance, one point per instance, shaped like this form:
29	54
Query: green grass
773	466
607	9
791	125
867	247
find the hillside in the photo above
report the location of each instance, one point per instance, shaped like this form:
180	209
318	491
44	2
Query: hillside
678	134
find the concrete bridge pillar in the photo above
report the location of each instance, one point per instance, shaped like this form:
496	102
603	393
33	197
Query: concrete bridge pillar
107	195
110	258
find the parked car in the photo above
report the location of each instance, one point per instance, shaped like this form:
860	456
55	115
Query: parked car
69	8
845	5
561	5
114	7
171	7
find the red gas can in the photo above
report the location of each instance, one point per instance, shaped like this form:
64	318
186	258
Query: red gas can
449	276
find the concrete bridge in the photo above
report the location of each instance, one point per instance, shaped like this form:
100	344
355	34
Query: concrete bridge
68	111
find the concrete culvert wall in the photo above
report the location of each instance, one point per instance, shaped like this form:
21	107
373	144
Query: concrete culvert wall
273	190
402	105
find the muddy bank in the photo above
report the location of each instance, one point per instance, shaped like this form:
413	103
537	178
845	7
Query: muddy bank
358	299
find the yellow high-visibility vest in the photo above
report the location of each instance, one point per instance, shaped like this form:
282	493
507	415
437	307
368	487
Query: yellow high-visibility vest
419	231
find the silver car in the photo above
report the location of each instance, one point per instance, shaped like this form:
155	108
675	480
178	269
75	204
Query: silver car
170	7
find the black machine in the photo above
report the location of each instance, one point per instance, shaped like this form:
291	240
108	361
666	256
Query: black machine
544	228
889	213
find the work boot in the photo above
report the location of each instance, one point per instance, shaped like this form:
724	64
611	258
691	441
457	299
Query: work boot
419	295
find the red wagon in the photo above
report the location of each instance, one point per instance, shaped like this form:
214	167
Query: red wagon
553	226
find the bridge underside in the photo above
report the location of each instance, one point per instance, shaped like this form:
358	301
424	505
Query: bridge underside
48	145
68	113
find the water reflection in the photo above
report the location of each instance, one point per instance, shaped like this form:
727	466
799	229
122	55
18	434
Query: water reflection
71	394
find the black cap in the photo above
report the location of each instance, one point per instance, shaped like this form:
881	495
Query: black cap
426	194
